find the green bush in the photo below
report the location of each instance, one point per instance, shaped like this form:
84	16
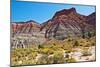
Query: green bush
43	60
76	44
58	57
71	60
46	51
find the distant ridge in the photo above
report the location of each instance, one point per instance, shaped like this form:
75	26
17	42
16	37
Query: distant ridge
64	23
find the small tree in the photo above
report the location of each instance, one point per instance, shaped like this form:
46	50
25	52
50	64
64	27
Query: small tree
40	46
89	35
76	43
83	33
58	57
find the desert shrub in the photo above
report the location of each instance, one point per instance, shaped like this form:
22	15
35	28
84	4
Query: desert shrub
68	46
46	51
70	39
93	41
71	60
40	46
50	60
86	52
43	60
83	36
23	56
67	51
58	57
93	44
76	44
89	34
70	50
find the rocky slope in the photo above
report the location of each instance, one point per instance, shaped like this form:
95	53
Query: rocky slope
68	22
25	27
92	19
65	23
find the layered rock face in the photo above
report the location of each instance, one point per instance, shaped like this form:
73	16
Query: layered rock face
91	19
25	34
25	27
65	23
68	23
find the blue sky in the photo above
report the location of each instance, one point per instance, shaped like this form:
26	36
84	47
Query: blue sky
41	12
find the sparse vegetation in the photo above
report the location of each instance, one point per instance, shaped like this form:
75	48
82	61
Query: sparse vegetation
86	52
51	52
71	60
